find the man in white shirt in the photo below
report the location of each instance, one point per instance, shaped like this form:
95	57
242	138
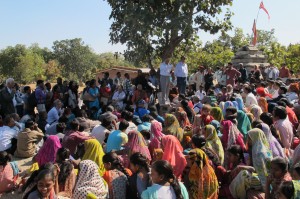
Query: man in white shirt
101	132
200	93
199	77
165	73
250	98
181	73
8	135
55	112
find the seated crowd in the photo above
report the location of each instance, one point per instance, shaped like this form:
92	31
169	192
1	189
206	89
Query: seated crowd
115	141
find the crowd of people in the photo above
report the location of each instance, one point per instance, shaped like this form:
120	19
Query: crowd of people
231	134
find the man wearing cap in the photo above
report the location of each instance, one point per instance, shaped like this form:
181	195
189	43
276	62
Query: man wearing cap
181	73
165	74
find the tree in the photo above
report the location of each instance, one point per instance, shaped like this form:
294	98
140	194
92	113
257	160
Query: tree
30	68
109	59
76	58
155	28
52	70
9	59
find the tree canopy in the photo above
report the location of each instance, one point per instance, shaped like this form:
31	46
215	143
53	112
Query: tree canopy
155	28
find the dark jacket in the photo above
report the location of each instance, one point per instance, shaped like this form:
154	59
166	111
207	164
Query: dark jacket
6	101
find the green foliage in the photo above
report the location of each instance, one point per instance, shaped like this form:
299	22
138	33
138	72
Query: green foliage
109	59
155	28
75	57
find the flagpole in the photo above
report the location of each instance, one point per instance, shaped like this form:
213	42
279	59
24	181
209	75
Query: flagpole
255	22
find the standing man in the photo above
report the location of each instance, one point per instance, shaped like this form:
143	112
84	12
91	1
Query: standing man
7	97
165	74
232	74
181	73
40	96
244	74
284	72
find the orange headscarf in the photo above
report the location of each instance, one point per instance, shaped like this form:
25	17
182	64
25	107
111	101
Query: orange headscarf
294	87
173	153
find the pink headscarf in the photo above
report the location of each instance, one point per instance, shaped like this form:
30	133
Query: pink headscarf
156	135
137	143
231	135
48	151
173	153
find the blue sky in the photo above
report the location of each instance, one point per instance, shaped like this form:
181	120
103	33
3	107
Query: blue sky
44	21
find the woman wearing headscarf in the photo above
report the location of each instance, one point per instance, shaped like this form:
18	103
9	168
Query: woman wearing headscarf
231	135
173	153
262	101
156	136
292	94
275	147
172	127
240	103
93	151
226	105
182	118
48	151
217	114
136	143
202	178
197	124
243	124
213	141
256	111
250	183
89	183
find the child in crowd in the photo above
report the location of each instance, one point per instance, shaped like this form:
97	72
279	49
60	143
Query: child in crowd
9	173
45	186
116	176
205	117
140	179
278	174
165	185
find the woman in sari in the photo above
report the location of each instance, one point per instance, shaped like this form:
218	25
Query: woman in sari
213	141
172	127
275	146
156	136
231	135
256	111
244	124
173	153
217	114
182	118
89	183
202	178
48	151
197	125
240	103
262	101
226	105
93	151
136	143
250	183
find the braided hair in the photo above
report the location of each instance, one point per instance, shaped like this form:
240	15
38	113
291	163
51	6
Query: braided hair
139	159
115	162
163	167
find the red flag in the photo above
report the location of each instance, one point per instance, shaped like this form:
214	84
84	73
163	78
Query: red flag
254	40
262	6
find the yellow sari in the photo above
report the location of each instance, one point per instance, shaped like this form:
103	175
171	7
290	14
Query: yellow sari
204	182
213	142
94	152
